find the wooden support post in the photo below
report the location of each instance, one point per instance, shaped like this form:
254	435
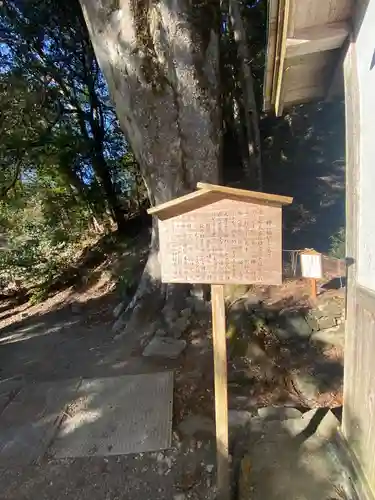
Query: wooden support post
221	398
313	291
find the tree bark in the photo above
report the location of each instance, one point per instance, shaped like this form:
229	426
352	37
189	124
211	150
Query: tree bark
161	61
251	115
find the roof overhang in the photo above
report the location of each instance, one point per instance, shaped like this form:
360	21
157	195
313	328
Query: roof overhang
304	51
210	193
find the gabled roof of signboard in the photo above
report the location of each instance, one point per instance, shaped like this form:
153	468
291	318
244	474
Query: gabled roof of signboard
210	193
305	50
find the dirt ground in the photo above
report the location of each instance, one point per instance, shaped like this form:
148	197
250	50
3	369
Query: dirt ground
69	335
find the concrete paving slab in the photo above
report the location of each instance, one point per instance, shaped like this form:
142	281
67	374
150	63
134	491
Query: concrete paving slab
117	416
30	420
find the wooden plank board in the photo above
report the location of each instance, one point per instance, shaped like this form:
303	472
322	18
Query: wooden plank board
303	95
229	241
209	193
271	53
316	39
252	195
352	112
308	13
221	396
188	202
280	74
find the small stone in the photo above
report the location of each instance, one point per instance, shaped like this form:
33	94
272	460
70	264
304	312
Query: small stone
170	316
312	321
179	496
186	313
159	457
238	418
160	333
306	385
326	322
325	377
209	468
330	336
332	308
197	293
296	323
179	327
283	333
118	310
278	413
233	292
164	347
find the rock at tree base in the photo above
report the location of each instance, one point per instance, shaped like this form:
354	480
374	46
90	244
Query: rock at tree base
326	322
164	347
324	377
295	323
238	418
278	413
331	336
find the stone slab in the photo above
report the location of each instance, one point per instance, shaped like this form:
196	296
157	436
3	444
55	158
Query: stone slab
30	421
295	323
118	416
164	347
331	336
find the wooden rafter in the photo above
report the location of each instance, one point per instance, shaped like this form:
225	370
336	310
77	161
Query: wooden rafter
304	41
310	40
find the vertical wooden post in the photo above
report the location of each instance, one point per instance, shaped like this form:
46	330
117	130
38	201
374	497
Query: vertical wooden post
221	398
313	290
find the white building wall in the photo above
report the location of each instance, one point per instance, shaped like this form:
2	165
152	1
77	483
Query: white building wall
365	47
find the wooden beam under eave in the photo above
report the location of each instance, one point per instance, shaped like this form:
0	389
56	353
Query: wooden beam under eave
280	72
317	39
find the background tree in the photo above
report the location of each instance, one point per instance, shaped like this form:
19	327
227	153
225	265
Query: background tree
68	115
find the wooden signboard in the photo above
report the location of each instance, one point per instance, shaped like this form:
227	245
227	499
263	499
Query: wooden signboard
221	235
311	265
312	269
227	241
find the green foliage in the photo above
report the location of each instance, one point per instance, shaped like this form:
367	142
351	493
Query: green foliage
41	239
66	170
56	114
338	241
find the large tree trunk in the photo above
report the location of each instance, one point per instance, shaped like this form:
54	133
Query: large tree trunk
161	62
